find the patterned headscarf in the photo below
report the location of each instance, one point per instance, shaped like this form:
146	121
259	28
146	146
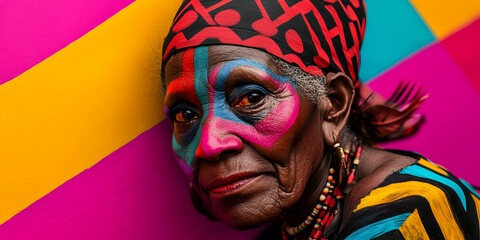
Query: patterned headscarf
319	36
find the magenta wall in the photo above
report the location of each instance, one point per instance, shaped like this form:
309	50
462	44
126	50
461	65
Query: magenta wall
127	185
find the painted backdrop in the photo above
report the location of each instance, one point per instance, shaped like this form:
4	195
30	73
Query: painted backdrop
84	144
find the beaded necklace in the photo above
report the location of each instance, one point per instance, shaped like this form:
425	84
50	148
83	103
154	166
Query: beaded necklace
330	201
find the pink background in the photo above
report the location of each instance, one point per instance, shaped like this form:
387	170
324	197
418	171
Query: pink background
138	192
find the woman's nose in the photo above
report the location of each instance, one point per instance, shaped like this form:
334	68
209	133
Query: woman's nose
217	138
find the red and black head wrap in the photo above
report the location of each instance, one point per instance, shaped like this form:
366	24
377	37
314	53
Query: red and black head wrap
319	36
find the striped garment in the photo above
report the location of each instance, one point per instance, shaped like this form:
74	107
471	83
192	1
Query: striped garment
422	201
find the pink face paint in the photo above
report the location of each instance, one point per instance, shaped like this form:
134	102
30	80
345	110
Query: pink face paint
221	127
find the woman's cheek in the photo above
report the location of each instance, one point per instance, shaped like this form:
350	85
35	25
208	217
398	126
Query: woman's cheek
185	154
279	120
264	133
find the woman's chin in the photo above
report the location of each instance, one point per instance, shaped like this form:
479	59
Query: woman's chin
245	222
247	213
251	206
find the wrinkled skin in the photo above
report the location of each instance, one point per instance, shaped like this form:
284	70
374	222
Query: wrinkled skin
252	146
232	114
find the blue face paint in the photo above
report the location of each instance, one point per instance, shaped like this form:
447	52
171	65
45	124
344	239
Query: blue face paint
220	100
186	151
225	128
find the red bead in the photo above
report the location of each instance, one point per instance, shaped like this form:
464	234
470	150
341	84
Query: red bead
332	203
337	192
359	151
351	177
329	221
318	234
325	220
329	198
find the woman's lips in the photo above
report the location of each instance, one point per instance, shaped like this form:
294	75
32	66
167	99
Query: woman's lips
231	183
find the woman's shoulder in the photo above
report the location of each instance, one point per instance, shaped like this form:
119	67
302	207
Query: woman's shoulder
422	200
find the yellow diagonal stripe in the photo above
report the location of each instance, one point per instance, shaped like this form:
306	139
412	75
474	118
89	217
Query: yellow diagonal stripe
413	227
477	206
432	166
445	17
81	104
436	198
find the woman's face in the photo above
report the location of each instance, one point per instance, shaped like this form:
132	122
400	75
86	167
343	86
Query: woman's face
245	137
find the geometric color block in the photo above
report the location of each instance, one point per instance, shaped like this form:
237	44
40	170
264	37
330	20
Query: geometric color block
444	17
449	135
32	30
68	112
413	226
376	229
82	152
394	31
137	192
464	47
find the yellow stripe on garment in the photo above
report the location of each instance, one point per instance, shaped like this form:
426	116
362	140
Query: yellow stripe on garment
413	227
432	166
81	104
445	17
436	198
477	206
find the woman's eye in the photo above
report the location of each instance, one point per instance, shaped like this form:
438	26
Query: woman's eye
250	99
185	115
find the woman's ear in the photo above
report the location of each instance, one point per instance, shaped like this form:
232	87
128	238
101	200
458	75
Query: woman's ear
336	106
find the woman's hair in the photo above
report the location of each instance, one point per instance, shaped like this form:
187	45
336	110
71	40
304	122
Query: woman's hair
314	88
363	121
311	86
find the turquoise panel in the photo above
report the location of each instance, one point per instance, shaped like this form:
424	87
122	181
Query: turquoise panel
377	229
394	31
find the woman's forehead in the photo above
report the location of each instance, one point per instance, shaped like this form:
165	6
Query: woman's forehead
217	55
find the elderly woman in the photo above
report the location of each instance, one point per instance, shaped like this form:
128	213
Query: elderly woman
272	125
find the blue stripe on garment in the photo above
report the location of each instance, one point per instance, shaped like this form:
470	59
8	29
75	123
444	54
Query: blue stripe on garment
470	188
421	172
376	229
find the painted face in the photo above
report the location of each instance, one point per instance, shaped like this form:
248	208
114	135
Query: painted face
209	112
234	128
